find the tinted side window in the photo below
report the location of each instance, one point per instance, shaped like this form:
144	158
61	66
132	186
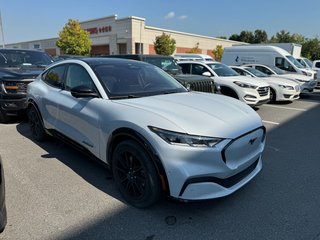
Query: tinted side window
283	64
185	68
317	64
264	70
54	76
240	71
77	76
198	69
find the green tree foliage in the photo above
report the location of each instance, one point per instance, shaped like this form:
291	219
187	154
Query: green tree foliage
195	49
217	52
260	36
73	39
311	49
281	37
164	44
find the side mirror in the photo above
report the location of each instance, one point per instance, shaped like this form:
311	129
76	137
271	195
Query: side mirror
83	91
207	74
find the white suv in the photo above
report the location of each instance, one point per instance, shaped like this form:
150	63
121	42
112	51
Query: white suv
251	91
156	136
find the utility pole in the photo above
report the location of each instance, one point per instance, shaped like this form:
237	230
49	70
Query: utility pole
3	45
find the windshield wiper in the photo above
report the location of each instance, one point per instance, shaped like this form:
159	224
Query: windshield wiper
125	96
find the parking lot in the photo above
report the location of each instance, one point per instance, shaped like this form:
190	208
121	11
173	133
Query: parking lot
54	192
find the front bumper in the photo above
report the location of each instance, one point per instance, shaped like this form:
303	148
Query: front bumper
205	173
307	87
255	97
12	105
287	95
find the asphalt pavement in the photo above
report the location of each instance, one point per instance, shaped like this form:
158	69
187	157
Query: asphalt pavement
55	192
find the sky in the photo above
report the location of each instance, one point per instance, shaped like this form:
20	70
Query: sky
39	19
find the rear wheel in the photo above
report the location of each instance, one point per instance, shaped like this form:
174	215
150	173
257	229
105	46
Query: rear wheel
135	174
36	124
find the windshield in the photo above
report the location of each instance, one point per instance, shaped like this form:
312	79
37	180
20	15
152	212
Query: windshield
295	62
129	80
222	70
167	64
256	72
308	62
19	58
277	70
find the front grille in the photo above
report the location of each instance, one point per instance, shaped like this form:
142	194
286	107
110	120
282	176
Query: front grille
13	87
202	86
263	91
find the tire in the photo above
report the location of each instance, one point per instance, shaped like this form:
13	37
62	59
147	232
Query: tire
135	174
3	117
273	96
36	125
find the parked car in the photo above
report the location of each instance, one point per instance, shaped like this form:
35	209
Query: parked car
155	135
169	65
307	85
281	89
251	91
18	67
3	209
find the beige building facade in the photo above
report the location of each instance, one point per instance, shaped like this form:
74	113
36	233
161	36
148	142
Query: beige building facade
129	35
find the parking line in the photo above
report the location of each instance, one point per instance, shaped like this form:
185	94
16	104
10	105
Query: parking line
288	108
274	123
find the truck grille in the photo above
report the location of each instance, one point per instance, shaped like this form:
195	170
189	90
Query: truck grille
202	86
14	87
263	91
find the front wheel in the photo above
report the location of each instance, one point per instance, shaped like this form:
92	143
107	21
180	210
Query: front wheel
135	174
273	95
36	125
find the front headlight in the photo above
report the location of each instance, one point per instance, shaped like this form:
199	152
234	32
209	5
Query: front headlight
183	139
286	87
245	85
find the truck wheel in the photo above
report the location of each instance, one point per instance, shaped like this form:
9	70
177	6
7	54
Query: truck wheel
36	124
3	117
135	174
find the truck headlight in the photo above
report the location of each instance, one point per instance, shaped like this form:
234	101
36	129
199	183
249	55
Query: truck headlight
245	85
183	139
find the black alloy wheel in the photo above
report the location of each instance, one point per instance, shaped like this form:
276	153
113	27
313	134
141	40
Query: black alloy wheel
135	174
36	125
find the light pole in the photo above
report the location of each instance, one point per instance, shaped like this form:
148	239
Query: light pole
3	45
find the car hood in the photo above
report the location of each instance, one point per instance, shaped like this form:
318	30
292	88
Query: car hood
244	79
19	73
295	77
282	81
197	113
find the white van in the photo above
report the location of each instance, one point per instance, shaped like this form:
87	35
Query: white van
193	57
267	55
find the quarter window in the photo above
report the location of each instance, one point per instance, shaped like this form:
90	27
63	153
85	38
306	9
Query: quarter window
54	76
77	76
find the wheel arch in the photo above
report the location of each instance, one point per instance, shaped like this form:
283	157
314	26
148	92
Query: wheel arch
228	91
122	134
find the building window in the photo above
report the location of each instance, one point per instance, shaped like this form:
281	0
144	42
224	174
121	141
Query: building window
36	46
138	48
122	48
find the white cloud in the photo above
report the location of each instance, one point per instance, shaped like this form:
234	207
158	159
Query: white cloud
183	17
169	15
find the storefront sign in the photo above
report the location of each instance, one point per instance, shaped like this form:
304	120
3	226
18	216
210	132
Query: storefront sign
97	30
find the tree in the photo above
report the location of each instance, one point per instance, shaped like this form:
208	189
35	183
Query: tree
217	52
281	37
311	49
73	39
195	49
260	36
246	36
234	37
164	44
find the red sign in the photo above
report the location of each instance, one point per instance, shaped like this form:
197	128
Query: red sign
96	30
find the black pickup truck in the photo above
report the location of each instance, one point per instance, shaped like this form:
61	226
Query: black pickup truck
18	67
168	64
